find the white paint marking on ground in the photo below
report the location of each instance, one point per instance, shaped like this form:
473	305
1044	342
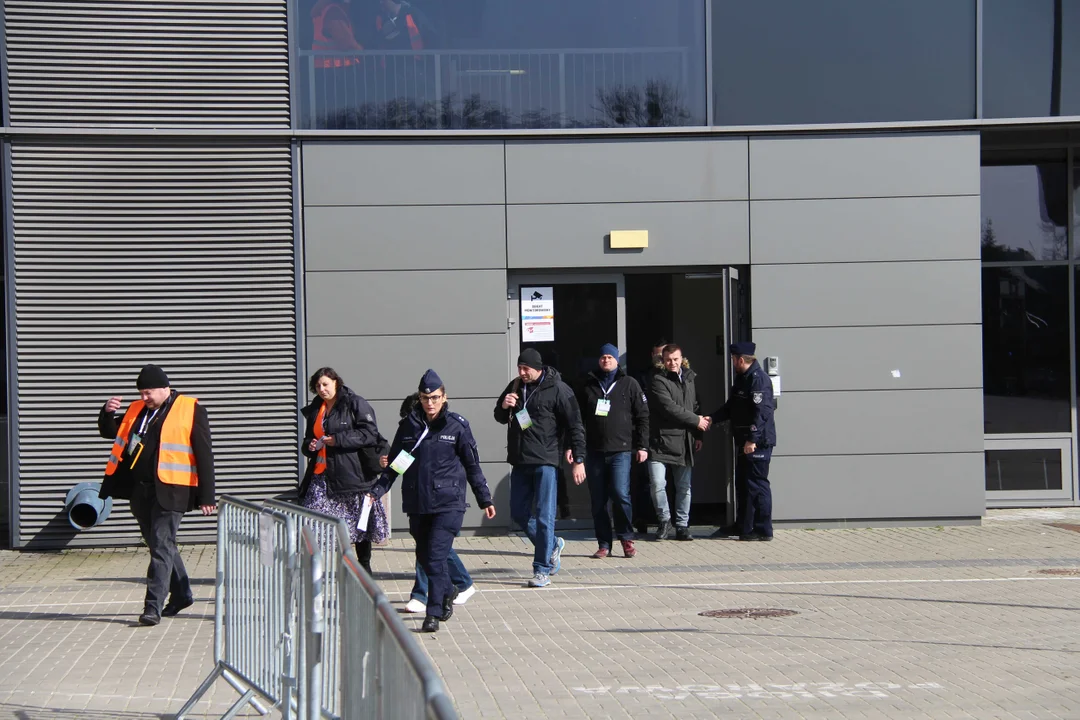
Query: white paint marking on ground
786	583
766	691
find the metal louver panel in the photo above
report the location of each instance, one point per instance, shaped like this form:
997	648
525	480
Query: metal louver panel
175	64
181	256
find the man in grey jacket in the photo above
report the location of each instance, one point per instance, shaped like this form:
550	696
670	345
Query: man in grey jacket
675	433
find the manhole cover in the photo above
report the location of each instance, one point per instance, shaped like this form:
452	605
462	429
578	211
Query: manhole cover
748	613
1058	571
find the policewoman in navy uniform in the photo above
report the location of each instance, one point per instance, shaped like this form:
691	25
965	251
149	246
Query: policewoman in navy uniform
435	454
750	411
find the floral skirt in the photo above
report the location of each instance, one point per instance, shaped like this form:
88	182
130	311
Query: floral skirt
345	506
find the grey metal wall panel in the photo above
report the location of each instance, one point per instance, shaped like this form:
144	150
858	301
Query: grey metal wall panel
388	367
438	237
180	255
397	173
901	293
703	233
879	422
490	435
853	487
864	358
185	63
864	166
627	171
406	303
865	229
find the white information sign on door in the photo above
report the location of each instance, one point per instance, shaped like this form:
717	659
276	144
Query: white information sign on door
537	314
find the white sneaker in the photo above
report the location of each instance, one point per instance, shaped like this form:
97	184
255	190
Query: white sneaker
465	595
415	606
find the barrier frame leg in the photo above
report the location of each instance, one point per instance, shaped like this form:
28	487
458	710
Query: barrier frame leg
247	695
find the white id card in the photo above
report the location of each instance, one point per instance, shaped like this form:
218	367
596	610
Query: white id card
603	407
402	462
523	419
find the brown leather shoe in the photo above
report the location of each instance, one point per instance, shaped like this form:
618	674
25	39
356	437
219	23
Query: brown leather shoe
628	548
601	553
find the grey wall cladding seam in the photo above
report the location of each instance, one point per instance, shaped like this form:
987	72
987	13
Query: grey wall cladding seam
180	255
117	63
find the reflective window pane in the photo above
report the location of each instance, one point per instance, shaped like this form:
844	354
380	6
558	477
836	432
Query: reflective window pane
1031	58
1026	386
793	61
1023	469
501	63
1024	210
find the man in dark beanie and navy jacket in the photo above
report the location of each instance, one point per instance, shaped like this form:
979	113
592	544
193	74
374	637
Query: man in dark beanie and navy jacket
163	464
539	409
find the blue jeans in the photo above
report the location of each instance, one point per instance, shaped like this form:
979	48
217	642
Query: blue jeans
608	474
658	486
537	484
459	576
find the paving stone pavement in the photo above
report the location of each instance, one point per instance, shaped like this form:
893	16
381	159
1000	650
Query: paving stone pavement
953	622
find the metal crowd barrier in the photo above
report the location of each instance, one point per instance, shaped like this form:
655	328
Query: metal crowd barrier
254	612
289	575
327	532
386	673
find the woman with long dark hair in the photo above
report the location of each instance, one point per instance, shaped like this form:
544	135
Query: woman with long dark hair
343	447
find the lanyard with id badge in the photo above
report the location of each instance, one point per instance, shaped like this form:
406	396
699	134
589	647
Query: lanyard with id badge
404	460
135	446
522	415
603	405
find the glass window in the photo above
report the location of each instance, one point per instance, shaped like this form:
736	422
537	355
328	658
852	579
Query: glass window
1023	469
501	63
1024	210
1026	386
1031	58
793	61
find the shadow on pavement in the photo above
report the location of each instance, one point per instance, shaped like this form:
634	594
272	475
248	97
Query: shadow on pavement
128	620
23	712
140	580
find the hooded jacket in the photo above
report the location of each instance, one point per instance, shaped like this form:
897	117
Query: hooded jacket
445	458
626	426
352	464
555	416
673	416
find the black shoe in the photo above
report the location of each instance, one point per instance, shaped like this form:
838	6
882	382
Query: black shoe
448	604
664	531
431	624
683	533
763	538
748	538
175	606
725	532
149	618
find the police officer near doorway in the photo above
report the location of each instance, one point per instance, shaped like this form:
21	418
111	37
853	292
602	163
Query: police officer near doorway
750	411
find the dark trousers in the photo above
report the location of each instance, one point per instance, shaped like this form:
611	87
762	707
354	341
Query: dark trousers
608	475
434	535
754	494
166	573
363	554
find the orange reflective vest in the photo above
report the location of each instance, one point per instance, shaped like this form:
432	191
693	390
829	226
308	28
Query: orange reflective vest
323	43
415	40
176	457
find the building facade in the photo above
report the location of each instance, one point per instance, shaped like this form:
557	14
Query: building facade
881	195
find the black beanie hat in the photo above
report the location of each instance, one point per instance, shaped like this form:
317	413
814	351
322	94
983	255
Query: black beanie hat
531	358
151	376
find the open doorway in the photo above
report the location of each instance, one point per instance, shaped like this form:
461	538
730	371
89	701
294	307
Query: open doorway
568	316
